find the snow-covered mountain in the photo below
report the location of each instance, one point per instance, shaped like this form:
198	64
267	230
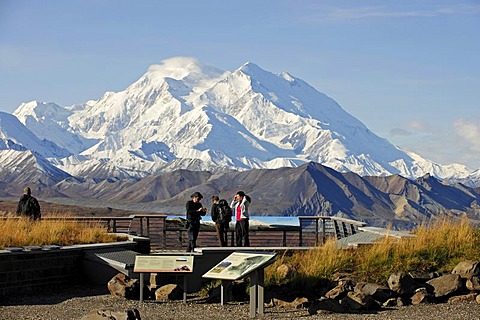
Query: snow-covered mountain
182	114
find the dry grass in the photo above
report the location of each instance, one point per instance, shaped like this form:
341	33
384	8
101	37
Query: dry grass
18	232
438	246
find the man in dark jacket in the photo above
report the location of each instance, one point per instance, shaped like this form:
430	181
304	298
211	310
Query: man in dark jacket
28	206
221	220
194	212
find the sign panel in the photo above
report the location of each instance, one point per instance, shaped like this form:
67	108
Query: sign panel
153	263
239	264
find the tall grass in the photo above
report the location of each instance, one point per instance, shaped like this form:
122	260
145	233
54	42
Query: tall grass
17	232
438	246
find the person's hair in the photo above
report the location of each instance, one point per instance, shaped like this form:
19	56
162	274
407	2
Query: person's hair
241	193
27	190
215	198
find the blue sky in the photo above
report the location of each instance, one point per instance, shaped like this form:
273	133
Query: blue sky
409	70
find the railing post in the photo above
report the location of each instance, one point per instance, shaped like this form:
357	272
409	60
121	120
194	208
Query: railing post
148	226
324	236
300	234
284	238
141	226
164	221
316	230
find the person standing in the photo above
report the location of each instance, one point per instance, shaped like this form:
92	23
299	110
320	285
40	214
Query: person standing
28	206
239	205
195	211
221	215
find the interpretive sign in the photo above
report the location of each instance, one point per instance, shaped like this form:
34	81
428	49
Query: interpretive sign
238	265
154	263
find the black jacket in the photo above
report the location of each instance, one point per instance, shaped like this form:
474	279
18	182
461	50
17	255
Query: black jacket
192	211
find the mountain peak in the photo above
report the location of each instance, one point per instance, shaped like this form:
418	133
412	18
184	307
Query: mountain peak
182	67
251	69
185	110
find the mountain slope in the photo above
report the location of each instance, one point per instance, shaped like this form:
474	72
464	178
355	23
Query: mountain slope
185	115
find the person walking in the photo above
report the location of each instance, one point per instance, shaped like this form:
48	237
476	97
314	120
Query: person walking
28	206
240	205
221	215
195	211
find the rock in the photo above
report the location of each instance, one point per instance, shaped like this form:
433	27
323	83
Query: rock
401	283
341	290
445	285
112	315
325	305
169	292
477	298
123	286
422	277
421	295
358	301
295	304
463	298
467	269
473	284
376	291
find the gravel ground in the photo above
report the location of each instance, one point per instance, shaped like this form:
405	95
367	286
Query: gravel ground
79	301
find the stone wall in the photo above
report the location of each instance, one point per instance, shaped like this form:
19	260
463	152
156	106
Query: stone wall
24	271
29	270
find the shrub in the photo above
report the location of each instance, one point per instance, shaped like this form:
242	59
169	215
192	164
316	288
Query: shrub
26	232
437	246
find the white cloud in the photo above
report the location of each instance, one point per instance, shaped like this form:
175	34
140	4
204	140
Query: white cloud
469	131
422	127
319	12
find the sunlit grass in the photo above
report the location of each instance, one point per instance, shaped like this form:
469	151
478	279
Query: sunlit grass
18	232
438	246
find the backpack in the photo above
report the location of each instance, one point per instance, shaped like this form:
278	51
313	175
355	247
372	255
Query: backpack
29	208
225	212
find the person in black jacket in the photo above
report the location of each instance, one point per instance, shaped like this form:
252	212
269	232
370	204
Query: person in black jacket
28	206
221	219
195	211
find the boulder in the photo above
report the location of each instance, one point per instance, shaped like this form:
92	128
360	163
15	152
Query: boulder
463	298
112	315
421	295
422	277
341	290
445	285
169	292
326	306
401	283
123	286
395	302
473	284
376	291
357	301
295	304
467	269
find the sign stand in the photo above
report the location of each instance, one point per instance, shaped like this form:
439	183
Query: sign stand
172	263
240	265
257	292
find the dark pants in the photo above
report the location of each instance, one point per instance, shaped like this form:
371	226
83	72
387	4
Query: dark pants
241	233
193	228
222	233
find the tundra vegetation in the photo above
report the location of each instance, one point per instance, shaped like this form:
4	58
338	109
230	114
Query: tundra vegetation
19	232
439	246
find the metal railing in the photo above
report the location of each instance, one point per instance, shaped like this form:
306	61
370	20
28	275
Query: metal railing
162	236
